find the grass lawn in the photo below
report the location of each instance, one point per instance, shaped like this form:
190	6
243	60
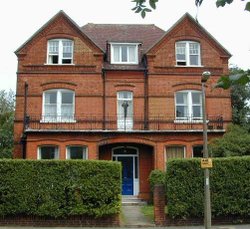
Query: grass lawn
148	211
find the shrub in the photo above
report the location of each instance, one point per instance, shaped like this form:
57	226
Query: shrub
230	187
59	188
235	142
156	177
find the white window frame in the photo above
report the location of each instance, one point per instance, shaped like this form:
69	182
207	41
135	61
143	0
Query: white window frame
123	124
58	117
190	104
56	152
60	52
188	54
120	53
84	151
179	146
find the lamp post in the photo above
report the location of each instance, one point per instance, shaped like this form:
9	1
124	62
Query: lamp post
125	108
207	207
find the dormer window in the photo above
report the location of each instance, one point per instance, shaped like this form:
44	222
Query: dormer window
60	51
124	53
187	53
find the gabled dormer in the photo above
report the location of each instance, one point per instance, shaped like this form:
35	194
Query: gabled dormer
124	44
59	42
187	45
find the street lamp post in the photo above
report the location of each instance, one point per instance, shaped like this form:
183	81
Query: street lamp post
207	207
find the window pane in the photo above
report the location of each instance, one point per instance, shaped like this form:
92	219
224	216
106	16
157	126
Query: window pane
116	50
125	95
181	51
193	48
67	49
124	53
194	60
196	98
132	54
175	152
53	47
181	111
67	97
50	105
77	152
198	151
50	97
48	152
181	98
197	111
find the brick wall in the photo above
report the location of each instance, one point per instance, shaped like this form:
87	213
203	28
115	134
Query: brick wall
73	221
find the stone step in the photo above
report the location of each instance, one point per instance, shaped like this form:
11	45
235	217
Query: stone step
132	200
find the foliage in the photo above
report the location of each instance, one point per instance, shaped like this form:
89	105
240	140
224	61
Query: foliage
230	187
235	142
184	189
142	8
240	95
241	78
59	188
156	177
7	104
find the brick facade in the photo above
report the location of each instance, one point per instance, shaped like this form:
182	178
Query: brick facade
95	83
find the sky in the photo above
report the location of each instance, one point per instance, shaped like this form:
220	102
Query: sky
20	19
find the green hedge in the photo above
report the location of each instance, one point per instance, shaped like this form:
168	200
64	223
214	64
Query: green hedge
59	188
230	187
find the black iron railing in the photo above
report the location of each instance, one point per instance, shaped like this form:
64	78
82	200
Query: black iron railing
115	123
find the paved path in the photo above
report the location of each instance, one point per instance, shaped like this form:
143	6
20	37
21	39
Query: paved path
133	217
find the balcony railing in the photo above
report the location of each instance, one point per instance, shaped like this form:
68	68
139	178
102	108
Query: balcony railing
114	123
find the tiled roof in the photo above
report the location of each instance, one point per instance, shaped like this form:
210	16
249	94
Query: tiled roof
101	33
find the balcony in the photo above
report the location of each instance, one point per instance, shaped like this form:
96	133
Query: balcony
114	123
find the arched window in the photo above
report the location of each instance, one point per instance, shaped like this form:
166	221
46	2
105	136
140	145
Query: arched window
187	53
60	51
188	105
58	105
125	110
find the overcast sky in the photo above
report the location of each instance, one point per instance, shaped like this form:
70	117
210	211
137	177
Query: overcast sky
20	19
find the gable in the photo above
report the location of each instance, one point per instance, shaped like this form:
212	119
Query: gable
60	26
188	29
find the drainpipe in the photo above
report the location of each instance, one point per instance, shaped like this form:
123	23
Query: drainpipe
104	99
145	99
25	122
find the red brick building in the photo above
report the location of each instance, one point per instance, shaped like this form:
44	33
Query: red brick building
130	93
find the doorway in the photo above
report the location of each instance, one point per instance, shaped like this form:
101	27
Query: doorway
128	156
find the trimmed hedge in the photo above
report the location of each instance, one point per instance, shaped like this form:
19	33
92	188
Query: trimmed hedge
230	187
59	188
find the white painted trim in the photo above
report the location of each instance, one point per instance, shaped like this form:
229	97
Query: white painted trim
136	181
126	44
57	151
83	146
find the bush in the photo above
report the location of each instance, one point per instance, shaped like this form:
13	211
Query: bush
157	177
230	187
235	142
59	188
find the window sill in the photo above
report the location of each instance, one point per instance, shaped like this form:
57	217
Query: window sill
59	64
124	63
189	66
189	121
58	121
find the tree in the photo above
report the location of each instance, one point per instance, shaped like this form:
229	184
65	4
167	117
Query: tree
7	104
145	6
240	97
235	142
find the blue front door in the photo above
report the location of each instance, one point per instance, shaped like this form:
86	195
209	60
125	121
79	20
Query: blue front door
127	175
